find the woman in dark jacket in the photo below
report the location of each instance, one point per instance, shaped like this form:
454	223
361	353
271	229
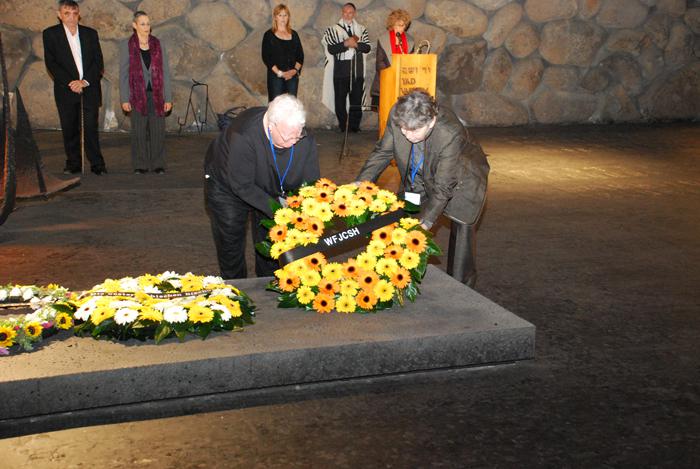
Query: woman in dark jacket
282	54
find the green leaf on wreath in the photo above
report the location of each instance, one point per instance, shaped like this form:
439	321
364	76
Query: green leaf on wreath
267	223
204	330
432	249
288	300
411	291
263	247
274	205
162	332
63	308
410	207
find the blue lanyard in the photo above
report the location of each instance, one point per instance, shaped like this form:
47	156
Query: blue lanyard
274	158
415	168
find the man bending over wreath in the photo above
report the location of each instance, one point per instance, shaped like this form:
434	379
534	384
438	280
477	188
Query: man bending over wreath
443	169
263	153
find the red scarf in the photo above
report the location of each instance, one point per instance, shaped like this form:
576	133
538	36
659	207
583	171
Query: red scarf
137	84
398	48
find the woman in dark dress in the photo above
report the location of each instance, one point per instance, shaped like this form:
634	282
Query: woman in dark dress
282	54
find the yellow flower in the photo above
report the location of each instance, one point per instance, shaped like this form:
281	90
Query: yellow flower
377	205
7	336
148	280
297	267
366	261
349	288
384	290
408	223
142	297
277	249
346	304
198	313
409	259
398	236
324	211
386	196
310	278
376	248
357	207
150	314
294	237
191	283
309	206
343	193
397	205
235	308
101	313
308	191
332	271
305	295
284	216
64	321
110	285
386	267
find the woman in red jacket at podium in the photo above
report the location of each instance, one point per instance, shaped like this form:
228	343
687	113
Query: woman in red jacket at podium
394	41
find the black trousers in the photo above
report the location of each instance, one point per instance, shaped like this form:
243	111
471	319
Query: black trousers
461	256
69	116
228	215
341	88
277	86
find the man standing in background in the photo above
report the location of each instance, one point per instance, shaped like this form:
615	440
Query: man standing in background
73	57
345	44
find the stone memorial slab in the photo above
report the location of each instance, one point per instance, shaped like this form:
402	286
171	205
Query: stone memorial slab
448	326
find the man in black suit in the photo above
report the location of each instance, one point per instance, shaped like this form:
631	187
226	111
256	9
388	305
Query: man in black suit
74	59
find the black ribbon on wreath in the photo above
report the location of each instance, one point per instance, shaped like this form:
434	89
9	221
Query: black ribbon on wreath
335	240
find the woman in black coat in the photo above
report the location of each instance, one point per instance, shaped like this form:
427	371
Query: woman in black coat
282	54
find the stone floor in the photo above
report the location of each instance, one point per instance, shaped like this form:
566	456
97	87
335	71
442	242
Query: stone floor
591	233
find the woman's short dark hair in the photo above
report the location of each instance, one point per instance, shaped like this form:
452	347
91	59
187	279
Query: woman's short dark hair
139	13
414	110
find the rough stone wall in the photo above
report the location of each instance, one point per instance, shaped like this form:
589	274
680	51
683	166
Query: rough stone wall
501	62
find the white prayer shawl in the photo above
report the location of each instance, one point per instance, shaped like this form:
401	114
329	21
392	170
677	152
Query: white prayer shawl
334	35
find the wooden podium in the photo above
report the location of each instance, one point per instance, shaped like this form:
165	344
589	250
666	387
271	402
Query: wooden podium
407	71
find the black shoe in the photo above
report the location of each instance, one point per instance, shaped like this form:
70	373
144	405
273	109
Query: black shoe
139	171
355	130
159	171
99	171
71	171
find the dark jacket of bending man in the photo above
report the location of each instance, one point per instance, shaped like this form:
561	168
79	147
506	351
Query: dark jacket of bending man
441	166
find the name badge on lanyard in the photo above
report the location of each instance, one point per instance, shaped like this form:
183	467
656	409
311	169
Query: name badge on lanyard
410	196
413	197
280	177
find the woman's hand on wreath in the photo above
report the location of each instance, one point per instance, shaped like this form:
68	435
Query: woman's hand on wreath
126	107
167	107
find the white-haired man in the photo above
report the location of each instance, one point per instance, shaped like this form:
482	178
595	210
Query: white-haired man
261	155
